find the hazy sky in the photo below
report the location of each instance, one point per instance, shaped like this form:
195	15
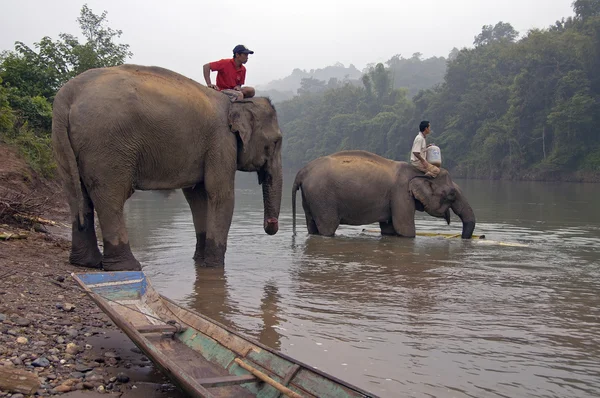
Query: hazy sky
308	34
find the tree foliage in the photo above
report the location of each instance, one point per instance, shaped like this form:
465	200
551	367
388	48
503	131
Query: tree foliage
506	108
29	79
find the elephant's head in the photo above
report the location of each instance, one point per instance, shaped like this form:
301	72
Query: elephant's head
259	149
438	195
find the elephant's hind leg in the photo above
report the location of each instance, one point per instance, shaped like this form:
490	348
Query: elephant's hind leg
84	246
311	225
117	254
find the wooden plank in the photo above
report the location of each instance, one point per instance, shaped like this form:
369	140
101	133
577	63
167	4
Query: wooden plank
268	380
18	381
291	375
157	329
226	381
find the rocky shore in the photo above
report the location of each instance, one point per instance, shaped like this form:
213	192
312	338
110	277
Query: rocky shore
54	340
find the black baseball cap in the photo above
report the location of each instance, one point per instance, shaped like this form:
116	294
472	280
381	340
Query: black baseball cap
242	49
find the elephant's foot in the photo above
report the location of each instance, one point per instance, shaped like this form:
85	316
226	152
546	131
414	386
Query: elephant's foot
86	258
84	244
213	256
119	258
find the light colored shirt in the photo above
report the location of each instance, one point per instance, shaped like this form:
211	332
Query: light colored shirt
420	146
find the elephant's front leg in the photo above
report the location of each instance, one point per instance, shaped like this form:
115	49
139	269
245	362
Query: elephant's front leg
198	201
403	213
218	221
387	228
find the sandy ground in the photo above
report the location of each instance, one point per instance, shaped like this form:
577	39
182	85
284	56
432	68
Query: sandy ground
48	326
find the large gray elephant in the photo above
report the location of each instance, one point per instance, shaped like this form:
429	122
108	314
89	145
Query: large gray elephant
118	129
359	187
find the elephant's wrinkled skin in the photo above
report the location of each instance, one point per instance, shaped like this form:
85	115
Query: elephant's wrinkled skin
118	129
359	187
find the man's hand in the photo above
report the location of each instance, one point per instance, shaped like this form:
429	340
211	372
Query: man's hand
237	88
214	87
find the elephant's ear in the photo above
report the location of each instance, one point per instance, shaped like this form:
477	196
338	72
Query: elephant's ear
240	122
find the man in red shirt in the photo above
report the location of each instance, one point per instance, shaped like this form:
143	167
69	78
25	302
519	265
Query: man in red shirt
231	74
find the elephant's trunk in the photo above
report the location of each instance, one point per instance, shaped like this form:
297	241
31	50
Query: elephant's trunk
463	210
271	178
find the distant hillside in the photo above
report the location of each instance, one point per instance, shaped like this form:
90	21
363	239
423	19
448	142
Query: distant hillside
415	73
412	73
286	88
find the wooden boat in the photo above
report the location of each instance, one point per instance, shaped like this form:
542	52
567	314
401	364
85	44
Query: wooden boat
201	356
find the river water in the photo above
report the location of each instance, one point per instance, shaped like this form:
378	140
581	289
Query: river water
514	315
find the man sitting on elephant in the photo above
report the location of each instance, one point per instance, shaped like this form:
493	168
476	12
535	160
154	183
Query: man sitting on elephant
417	156
231	74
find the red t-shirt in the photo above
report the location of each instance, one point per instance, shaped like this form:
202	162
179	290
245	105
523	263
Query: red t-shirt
228	75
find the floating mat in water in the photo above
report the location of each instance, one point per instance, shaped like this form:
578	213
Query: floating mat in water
445	235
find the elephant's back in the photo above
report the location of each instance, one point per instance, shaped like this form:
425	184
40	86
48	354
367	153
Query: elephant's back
349	168
141	84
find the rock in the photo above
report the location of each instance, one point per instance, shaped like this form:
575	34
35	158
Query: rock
2	317
68	307
100	389
82	368
22	321
110	354
91	377
122	378
88	385
60	340
88	347
53	358
22	340
37	227
62	388
136	350
72	349
41	363
40	343
12	332
51	376
17	396
77	375
53	351
3	350
60	278
73	332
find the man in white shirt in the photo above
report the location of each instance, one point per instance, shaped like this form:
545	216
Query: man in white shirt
418	156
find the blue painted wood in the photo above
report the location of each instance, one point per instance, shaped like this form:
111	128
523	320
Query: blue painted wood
103	277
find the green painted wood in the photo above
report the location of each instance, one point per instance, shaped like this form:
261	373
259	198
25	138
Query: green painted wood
276	364
207	347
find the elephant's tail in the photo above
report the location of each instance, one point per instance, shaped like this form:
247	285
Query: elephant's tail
64	154
297	185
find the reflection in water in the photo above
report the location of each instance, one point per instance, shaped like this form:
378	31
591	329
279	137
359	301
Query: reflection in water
405	317
210	298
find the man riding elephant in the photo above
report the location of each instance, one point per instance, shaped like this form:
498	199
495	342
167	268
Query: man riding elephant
231	74
118	129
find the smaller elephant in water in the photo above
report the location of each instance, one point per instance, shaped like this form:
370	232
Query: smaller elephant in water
359	187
